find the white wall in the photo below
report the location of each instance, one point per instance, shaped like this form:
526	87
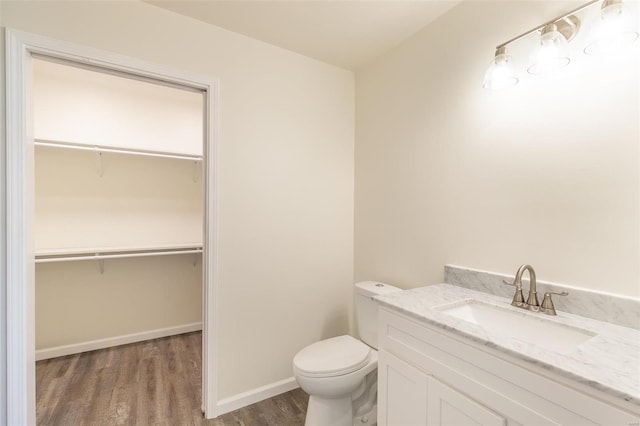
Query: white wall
138	201
91	108
286	175
76	304
546	173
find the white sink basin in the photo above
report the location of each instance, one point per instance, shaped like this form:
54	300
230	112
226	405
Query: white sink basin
525	326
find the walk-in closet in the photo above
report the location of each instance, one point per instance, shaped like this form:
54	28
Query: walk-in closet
119	206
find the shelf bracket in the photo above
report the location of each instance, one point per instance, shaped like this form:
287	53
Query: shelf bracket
98	160
195	172
195	260
101	263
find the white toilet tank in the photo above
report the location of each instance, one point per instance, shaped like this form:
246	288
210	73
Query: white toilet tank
367	309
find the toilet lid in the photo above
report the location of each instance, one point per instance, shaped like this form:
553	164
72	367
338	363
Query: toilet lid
332	357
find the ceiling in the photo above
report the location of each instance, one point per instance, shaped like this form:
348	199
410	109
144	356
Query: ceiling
345	33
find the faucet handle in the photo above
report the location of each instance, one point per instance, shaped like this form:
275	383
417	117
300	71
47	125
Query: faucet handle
547	304
559	293
518	297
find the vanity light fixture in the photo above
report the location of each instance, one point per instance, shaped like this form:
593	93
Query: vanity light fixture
615	29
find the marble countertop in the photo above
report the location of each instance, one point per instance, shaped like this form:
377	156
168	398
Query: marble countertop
609	361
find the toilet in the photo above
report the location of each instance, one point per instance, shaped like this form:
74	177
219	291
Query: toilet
340	374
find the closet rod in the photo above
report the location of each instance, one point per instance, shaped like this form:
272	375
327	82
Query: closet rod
98	256
67	145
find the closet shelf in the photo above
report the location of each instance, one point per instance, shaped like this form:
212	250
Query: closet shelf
104	149
69	255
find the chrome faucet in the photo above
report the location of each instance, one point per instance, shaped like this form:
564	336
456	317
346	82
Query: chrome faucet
518	298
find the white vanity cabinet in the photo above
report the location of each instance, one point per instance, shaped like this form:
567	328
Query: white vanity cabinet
408	396
430	376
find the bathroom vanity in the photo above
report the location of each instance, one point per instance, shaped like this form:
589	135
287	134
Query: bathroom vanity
455	356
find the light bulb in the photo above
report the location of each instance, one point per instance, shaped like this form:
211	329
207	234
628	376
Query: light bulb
500	74
552	52
615	29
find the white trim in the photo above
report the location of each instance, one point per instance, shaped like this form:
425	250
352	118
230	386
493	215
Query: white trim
256	395
211	253
20	47
20	289
125	339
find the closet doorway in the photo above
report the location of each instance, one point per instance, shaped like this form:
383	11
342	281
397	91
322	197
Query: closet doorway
119	209
113	218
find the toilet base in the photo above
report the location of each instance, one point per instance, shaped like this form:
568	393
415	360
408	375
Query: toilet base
329	411
337	412
367	419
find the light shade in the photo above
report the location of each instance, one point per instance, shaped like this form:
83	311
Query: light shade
615	29
551	54
500	74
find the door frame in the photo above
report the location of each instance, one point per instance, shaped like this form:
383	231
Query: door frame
20	268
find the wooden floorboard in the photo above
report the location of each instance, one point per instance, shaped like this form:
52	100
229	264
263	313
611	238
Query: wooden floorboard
156	382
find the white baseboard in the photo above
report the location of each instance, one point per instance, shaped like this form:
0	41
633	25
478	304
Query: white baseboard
92	345
256	395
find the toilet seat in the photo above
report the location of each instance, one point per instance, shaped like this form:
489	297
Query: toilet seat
332	357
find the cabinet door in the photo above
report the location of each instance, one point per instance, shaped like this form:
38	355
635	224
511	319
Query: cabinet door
402	393
448	407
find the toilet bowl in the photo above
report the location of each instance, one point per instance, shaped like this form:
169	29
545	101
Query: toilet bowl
340	373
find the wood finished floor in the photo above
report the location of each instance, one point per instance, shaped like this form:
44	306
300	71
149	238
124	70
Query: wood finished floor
156	382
